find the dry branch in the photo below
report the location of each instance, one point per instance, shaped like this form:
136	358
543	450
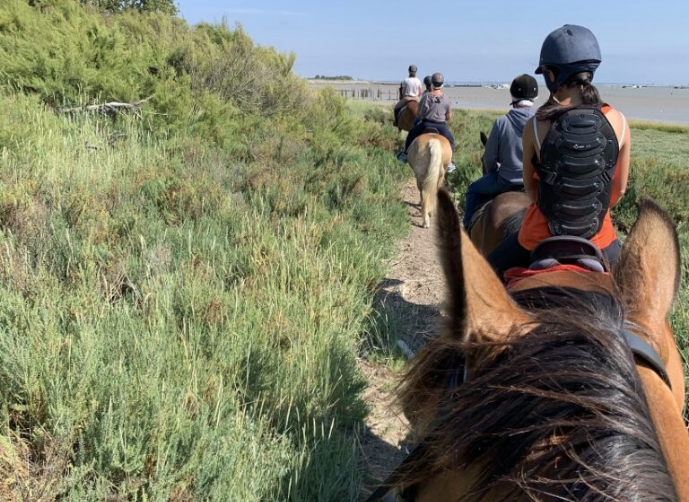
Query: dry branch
113	106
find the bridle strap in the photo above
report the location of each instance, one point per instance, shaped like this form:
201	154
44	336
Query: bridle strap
386	486
643	351
640	348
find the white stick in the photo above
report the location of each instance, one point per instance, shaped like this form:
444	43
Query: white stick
408	353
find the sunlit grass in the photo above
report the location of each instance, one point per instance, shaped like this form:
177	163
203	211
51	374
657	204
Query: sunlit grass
179	324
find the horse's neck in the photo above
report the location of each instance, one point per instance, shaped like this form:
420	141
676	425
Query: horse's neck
458	483
671	429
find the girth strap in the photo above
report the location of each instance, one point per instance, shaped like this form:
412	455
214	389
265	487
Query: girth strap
643	351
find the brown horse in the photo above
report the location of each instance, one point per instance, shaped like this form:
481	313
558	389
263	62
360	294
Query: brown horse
499	217
429	155
405	119
535	394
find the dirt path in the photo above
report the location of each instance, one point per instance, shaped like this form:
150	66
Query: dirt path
410	297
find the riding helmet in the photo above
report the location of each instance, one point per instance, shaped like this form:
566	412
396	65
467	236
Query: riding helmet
412	68
437	80
427	81
567	45
524	87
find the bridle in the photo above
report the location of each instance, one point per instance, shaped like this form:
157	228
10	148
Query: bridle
641	350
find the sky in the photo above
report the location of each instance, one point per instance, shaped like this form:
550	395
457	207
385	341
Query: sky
642	41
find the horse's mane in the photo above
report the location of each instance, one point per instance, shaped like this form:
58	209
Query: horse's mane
556	414
512	223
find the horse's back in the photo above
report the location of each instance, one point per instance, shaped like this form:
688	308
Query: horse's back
422	144
408	113
500	217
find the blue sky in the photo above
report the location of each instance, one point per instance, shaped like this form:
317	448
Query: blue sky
642	41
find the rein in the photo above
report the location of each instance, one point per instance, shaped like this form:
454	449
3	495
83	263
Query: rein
641	350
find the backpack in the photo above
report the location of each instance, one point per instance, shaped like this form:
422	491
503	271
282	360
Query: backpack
578	160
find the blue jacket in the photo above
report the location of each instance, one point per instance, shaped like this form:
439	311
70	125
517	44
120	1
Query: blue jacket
504	150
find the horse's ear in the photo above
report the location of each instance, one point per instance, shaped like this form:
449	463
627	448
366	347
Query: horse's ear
478	305
647	272
484	138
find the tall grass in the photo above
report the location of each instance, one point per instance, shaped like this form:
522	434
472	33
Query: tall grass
178	324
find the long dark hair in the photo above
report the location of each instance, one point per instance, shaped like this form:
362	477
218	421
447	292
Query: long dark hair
590	96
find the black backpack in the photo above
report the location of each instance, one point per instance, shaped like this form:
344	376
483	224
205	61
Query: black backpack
578	159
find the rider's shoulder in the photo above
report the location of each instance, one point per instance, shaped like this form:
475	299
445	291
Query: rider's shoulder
617	120
611	112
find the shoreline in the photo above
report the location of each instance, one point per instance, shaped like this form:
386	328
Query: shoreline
662	104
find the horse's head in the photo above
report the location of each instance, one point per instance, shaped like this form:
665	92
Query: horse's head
535	395
484	140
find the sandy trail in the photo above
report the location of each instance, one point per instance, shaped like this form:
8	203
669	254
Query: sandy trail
410	297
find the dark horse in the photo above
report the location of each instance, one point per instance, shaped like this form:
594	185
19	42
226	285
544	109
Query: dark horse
535	394
499	217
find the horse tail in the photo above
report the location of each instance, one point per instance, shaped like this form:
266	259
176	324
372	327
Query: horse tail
430	183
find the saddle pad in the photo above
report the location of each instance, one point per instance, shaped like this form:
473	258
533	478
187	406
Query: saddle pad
516	274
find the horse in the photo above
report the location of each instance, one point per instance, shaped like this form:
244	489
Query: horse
405	119
429	155
499	217
542	392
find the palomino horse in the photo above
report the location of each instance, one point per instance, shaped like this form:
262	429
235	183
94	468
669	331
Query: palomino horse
535	394
429	155
405	119
499	217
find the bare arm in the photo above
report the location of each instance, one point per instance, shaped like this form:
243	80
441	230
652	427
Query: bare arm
529	146
621	177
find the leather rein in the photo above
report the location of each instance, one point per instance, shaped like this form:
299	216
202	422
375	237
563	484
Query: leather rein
641	350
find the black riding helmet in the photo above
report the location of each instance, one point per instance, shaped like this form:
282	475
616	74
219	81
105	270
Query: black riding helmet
437	80
427	81
412	68
569	50
524	87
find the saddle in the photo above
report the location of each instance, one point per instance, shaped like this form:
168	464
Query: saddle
568	250
428	130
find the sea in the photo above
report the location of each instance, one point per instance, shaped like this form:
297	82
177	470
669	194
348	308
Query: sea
657	103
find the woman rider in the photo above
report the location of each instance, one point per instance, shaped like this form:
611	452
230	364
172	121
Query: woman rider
435	111
576	154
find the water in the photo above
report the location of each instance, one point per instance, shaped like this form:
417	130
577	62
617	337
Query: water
656	103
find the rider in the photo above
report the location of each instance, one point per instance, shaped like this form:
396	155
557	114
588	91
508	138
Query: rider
435	111
410	89
502	158
576	154
427	84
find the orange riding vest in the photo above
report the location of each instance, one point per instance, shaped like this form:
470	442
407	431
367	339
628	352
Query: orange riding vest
535	226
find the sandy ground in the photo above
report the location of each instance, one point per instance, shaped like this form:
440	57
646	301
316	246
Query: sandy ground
656	103
411	297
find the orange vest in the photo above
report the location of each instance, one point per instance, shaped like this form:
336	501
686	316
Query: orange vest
535	225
